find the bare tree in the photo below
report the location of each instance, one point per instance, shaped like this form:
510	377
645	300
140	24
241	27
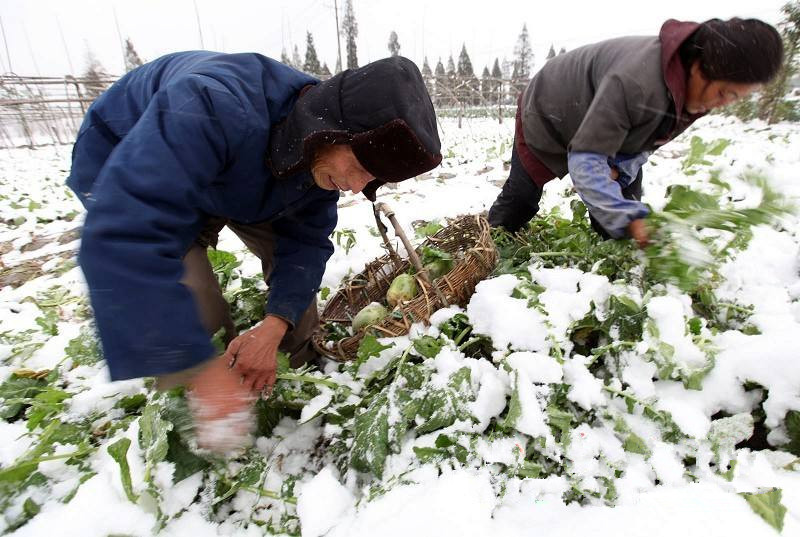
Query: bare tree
132	59
93	75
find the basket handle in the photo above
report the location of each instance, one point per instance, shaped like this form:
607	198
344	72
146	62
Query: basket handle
387	243
412	253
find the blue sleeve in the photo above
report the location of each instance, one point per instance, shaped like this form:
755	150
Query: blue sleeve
142	214
591	176
303	246
628	166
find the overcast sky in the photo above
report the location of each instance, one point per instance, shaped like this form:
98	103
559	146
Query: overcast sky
34	28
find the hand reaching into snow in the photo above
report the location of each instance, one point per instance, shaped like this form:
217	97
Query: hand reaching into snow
254	354
221	406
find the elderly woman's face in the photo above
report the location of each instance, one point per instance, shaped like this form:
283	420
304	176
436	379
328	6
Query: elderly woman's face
703	95
335	167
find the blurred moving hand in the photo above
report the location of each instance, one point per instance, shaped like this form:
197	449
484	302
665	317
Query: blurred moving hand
222	407
223	392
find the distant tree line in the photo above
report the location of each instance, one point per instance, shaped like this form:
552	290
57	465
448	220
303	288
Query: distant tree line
456	84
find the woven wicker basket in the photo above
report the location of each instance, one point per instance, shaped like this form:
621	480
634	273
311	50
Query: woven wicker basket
466	238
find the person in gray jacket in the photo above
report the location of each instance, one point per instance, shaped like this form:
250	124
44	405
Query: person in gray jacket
599	111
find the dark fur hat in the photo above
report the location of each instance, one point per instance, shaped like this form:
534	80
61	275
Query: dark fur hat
382	110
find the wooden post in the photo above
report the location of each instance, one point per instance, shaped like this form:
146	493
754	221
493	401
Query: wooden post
5	134
338	38
500	101
199	27
69	107
8	55
80	97
121	43
66	49
52	122
25	128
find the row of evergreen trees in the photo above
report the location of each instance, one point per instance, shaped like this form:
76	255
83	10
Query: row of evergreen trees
349	31
311	63
447	81
457	83
519	68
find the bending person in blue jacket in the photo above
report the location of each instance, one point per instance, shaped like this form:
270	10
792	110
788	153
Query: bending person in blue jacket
599	111
195	141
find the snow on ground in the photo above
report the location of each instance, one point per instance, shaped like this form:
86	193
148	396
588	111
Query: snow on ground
37	243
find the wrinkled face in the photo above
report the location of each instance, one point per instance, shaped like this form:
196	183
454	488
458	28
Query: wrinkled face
335	167
703	95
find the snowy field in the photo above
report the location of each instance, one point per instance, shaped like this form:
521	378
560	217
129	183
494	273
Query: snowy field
535	440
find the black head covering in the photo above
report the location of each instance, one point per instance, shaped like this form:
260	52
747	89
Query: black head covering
382	110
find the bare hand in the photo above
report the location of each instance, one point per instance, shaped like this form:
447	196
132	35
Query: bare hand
254	354
221	406
638	231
